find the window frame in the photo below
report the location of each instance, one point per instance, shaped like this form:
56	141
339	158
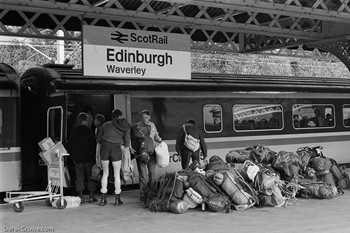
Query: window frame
319	127
221	122
259	130
345	126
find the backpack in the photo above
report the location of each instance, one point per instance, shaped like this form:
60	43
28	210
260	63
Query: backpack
164	193
239	191
127	168
341	178
216	200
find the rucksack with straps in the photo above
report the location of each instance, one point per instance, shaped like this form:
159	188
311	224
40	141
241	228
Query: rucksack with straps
216	200
239	191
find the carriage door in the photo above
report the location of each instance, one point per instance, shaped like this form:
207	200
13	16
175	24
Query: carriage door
55	118
122	102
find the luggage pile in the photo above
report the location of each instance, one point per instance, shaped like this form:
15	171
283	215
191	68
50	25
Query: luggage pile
255	176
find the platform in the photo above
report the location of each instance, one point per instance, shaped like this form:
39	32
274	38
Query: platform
301	215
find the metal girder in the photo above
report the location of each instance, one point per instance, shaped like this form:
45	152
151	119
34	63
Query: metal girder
225	25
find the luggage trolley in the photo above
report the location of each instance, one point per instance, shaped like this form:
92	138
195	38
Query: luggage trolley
53	155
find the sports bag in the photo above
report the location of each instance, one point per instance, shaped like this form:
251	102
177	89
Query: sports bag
162	155
190	142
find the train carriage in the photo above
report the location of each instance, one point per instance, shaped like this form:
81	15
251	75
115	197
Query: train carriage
10	150
233	111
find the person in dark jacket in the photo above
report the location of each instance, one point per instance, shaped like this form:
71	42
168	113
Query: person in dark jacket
81	147
185	153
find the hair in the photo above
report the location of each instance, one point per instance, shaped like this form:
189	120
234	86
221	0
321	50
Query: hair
116	113
100	117
191	122
82	117
87	109
145	112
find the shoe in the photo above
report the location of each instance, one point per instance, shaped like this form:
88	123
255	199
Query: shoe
92	199
81	197
103	200
117	200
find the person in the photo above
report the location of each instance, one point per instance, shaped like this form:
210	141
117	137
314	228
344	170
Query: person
99	119
88	109
317	120
183	152
114	134
150	135
81	147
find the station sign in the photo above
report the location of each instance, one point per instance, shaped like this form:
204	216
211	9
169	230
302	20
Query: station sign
115	52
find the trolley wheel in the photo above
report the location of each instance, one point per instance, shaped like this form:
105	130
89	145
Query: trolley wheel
59	203
48	202
18	207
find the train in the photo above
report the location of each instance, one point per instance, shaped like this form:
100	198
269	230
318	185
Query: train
233	111
10	144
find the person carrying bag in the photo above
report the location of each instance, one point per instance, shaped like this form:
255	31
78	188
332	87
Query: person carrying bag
189	143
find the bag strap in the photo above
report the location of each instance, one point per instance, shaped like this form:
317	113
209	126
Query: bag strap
183	126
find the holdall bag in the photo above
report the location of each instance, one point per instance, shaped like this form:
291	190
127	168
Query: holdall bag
190	142
162	155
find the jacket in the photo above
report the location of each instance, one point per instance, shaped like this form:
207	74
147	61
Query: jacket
82	145
194	132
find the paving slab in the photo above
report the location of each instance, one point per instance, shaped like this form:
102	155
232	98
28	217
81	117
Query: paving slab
301	215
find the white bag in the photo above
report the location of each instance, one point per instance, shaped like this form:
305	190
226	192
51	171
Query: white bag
190	142
127	168
162	154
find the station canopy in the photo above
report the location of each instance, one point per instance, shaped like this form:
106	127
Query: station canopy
278	27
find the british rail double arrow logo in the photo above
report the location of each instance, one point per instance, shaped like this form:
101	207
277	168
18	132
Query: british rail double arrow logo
118	36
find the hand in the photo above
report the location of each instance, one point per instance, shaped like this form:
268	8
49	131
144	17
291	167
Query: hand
132	151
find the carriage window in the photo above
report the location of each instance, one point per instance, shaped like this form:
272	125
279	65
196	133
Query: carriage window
257	117
55	123
212	115
1	121
308	115
346	115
